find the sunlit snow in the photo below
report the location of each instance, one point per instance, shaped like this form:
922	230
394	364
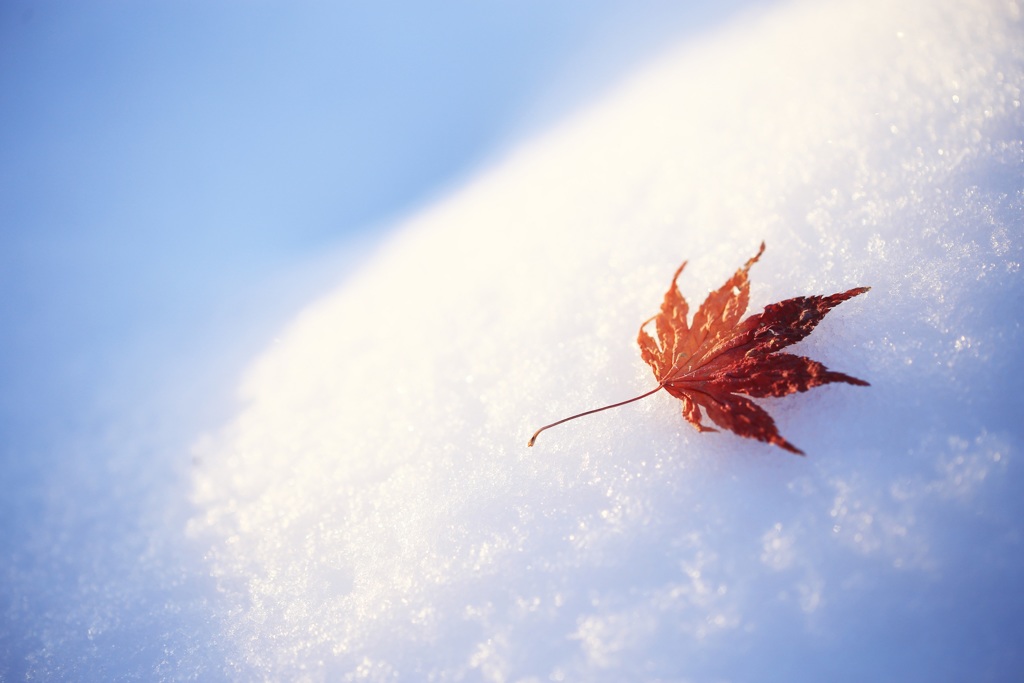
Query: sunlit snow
373	512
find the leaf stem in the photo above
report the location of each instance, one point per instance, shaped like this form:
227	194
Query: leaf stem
595	410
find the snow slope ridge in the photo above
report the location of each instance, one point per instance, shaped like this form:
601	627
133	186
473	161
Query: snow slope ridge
373	513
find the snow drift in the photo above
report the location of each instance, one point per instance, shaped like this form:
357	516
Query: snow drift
373	512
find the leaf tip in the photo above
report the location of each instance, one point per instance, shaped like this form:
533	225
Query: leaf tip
675	278
785	445
755	258
856	291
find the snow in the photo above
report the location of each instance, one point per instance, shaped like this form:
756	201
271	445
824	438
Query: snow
372	512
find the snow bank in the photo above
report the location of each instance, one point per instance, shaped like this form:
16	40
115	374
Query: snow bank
373	512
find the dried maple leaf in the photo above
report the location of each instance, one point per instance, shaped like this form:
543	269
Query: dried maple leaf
708	363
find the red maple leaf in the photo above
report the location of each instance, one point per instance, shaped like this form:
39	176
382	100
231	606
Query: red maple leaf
711	361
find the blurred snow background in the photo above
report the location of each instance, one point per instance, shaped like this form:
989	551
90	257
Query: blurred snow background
371	512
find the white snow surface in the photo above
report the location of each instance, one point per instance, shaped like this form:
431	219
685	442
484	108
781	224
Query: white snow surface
373	512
